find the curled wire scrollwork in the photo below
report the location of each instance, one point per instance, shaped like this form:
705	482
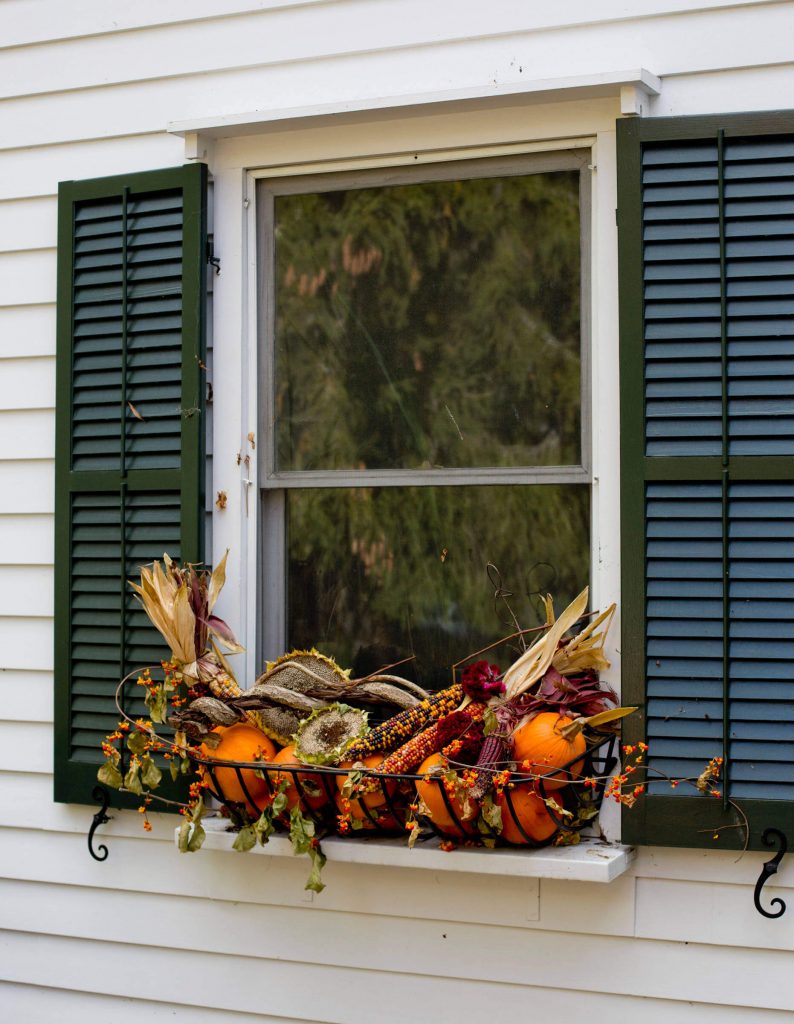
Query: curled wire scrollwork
101	795
770	868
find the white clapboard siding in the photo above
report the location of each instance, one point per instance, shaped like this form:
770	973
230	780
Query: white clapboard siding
26	590
26	539
350	995
26	383
286	36
402	946
22	22
139	863
28	433
146	106
27	330
26	696
26	644
26	744
88	90
27	224
32	280
722	915
36	172
36	1005
26	486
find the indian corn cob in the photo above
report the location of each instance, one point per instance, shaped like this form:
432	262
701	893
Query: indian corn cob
393	733
436	736
494	752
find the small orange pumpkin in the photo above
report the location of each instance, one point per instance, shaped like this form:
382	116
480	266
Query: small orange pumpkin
541	742
368	805
312	795
524	808
241	742
431	793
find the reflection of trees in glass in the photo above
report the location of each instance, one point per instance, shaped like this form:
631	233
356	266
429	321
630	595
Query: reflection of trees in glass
429	325
369	581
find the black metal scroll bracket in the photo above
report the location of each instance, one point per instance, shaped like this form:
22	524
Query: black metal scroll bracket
769	869
101	795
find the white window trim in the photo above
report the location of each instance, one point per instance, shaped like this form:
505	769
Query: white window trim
236	366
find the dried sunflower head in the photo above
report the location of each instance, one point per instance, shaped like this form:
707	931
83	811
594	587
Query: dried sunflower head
292	677
278	723
325	735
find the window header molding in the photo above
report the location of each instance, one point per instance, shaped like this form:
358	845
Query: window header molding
634	87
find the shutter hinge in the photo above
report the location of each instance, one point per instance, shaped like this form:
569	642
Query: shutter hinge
212	259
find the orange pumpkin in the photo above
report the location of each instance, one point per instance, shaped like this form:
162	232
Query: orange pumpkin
540	741
368	805
312	795
524	808
431	792
241	742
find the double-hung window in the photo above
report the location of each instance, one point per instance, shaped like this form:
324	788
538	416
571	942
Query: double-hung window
425	402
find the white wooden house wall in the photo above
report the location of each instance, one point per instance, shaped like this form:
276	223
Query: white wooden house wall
87	88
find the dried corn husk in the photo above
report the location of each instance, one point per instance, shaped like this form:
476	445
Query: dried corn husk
532	664
586	651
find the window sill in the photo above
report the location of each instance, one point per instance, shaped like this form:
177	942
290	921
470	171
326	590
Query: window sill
592	860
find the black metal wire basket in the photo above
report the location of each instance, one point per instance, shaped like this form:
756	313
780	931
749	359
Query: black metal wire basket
385	809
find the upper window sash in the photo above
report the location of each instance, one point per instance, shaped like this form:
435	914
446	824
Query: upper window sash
270	476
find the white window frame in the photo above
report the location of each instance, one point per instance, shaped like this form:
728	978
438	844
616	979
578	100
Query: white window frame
237	162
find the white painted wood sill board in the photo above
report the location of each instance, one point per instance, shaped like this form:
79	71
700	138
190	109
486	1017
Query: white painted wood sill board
592	860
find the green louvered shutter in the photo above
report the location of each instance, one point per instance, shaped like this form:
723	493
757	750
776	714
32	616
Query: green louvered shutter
129	437
706	226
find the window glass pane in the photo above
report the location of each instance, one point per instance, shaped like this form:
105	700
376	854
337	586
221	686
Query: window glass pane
429	325
376	574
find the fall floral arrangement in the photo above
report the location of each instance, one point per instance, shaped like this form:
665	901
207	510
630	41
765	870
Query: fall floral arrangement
520	756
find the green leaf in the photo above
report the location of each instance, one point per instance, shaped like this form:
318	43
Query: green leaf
351	784
263	827
246	839
492	814
301	831
319	861
197	837
490	722
173	767
151	775
279	804
132	780
184	766
157	703
558	809
110	775
137	742
184	836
